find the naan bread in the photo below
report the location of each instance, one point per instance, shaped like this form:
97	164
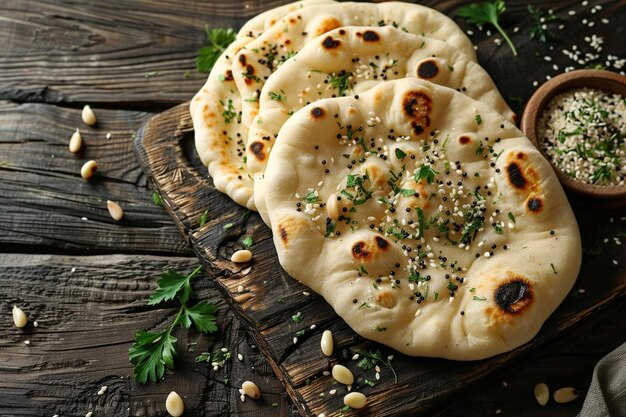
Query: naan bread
351	60
423	254
261	58
216	113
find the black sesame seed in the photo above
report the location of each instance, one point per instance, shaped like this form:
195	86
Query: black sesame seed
355	300
551	232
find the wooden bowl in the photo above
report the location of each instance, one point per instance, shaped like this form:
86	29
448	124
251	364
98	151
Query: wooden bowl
611	195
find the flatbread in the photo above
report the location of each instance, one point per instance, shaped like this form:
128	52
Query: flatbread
216	113
446	272
351	60
259	60
260	23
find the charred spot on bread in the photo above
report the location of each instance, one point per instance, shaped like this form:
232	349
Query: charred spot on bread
360	252
330	43
516	178
534	204
513	296
257	149
317	112
417	105
427	69
464	140
370	36
242	60
381	243
282	232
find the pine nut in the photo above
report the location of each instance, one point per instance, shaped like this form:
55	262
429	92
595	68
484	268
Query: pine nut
76	141
88	170
542	394
327	343
89	117
19	317
332	207
343	375
174	404
355	400
565	395
241	256
251	390
115	210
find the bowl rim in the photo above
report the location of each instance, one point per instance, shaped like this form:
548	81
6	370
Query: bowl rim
544	94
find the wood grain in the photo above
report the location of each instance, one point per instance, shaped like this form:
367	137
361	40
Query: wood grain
86	323
271	297
141	54
45	201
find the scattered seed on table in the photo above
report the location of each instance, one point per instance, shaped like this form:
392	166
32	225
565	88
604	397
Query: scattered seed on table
20	319
174	404
89	117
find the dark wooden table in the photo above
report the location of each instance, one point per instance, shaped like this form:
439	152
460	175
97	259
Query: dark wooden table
85	278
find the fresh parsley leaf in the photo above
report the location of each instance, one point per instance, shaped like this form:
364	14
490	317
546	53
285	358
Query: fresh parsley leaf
421	222
369	358
300	333
478	119
219	39
151	353
311	197
330	227
276	96
426	172
156	198
479	298
168	287
400	154
541	18
511	216
203	218
202	315
297	318
247	242
228	226
340	82
487	13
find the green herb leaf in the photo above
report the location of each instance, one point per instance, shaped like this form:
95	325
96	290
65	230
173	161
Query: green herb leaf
156	198
150	354
276	96
479	298
203	218
300	333
541	19
247	242
202	315
487	13
168	286
479	120
297	318
228	226
426	172
511	216
368	359
400	154
340	82
219	39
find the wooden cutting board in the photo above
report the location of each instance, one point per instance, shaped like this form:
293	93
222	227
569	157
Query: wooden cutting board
270	298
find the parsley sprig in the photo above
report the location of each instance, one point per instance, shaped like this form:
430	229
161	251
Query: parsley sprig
541	18
487	13
219	39
369	358
152	352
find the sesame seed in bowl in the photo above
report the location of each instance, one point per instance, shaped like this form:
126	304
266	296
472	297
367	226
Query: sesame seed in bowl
578	121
